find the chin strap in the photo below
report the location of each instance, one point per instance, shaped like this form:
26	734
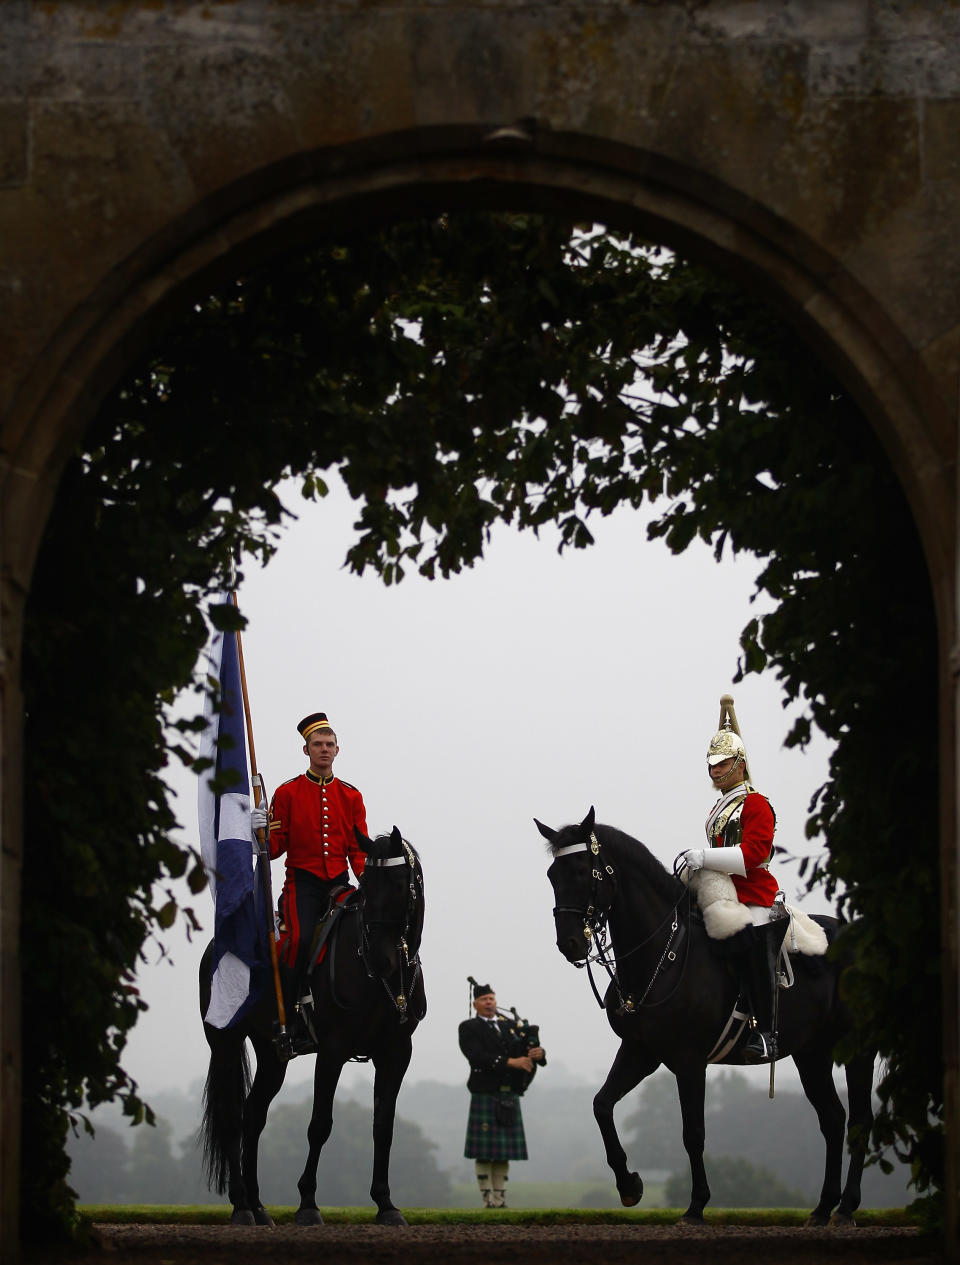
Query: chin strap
739	763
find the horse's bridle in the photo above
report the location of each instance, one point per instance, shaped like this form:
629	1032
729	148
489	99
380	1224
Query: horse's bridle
595	917
595	914
400	999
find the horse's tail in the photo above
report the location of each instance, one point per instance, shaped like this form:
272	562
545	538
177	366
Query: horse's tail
225	1091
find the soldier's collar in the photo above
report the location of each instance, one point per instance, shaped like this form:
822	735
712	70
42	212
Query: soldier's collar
320	781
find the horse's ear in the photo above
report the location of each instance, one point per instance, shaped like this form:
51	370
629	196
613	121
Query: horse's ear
363	843
396	837
589	821
548	833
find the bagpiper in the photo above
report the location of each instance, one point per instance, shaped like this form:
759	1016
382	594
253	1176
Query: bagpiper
501	1065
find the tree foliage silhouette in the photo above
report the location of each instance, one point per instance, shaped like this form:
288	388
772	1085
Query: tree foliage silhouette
459	372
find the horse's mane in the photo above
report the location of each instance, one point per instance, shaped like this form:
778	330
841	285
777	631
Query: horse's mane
382	844
637	858
630	855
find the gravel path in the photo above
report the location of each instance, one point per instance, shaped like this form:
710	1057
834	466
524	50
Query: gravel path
500	1245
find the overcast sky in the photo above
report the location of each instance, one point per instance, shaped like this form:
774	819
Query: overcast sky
533	685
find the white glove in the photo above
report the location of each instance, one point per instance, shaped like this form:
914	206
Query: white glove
259	818
693	859
725	860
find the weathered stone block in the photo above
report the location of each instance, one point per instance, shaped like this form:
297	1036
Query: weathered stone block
941	140
14	146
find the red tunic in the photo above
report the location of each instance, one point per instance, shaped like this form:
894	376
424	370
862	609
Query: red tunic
312	822
758	887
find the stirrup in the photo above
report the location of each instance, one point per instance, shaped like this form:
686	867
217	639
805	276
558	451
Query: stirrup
759	1047
302	1034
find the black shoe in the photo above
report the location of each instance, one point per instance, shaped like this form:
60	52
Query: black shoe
301	1033
759	1047
283	1044
298	1038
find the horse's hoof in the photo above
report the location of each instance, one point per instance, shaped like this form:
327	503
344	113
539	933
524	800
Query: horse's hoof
242	1216
816	1219
843	1221
390	1216
262	1217
631	1192
690	1221
307	1216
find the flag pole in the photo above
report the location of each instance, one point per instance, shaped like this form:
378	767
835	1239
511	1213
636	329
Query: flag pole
264	852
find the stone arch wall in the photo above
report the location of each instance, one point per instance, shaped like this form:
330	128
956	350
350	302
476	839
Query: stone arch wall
145	148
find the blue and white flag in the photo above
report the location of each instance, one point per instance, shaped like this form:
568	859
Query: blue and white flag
240	947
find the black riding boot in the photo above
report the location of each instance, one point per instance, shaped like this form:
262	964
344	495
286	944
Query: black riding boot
299	1038
302	1029
761	972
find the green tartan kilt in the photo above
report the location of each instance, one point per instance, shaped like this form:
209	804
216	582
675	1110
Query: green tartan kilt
488	1140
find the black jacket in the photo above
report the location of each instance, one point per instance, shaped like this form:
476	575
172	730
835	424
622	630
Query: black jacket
487	1051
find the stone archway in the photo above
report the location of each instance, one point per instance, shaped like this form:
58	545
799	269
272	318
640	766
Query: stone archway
147	149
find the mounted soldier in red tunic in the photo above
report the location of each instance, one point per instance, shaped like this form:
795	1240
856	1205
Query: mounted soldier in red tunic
311	822
740	830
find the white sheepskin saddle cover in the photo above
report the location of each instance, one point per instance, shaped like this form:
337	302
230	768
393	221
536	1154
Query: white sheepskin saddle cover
724	915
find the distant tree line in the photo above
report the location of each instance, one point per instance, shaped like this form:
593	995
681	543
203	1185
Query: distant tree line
781	1137
155	1168
736	1183
759	1153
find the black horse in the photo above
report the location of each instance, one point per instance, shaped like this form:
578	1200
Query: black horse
369	997
671	997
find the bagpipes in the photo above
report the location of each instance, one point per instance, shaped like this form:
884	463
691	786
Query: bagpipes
521	1035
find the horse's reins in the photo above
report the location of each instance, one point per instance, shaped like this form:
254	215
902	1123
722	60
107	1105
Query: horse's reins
402	998
595	917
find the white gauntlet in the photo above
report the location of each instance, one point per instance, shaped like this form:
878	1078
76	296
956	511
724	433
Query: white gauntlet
725	860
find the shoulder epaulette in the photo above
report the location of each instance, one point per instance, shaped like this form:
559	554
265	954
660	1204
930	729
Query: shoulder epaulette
348	784
289	780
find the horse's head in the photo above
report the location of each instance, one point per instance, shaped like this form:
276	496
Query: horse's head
392	890
582	885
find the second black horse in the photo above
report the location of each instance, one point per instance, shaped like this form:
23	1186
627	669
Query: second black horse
369	997
671	997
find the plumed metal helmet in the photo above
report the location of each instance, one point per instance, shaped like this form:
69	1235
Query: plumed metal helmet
725	745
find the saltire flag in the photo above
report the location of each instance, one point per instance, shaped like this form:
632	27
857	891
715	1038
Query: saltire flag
241	962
